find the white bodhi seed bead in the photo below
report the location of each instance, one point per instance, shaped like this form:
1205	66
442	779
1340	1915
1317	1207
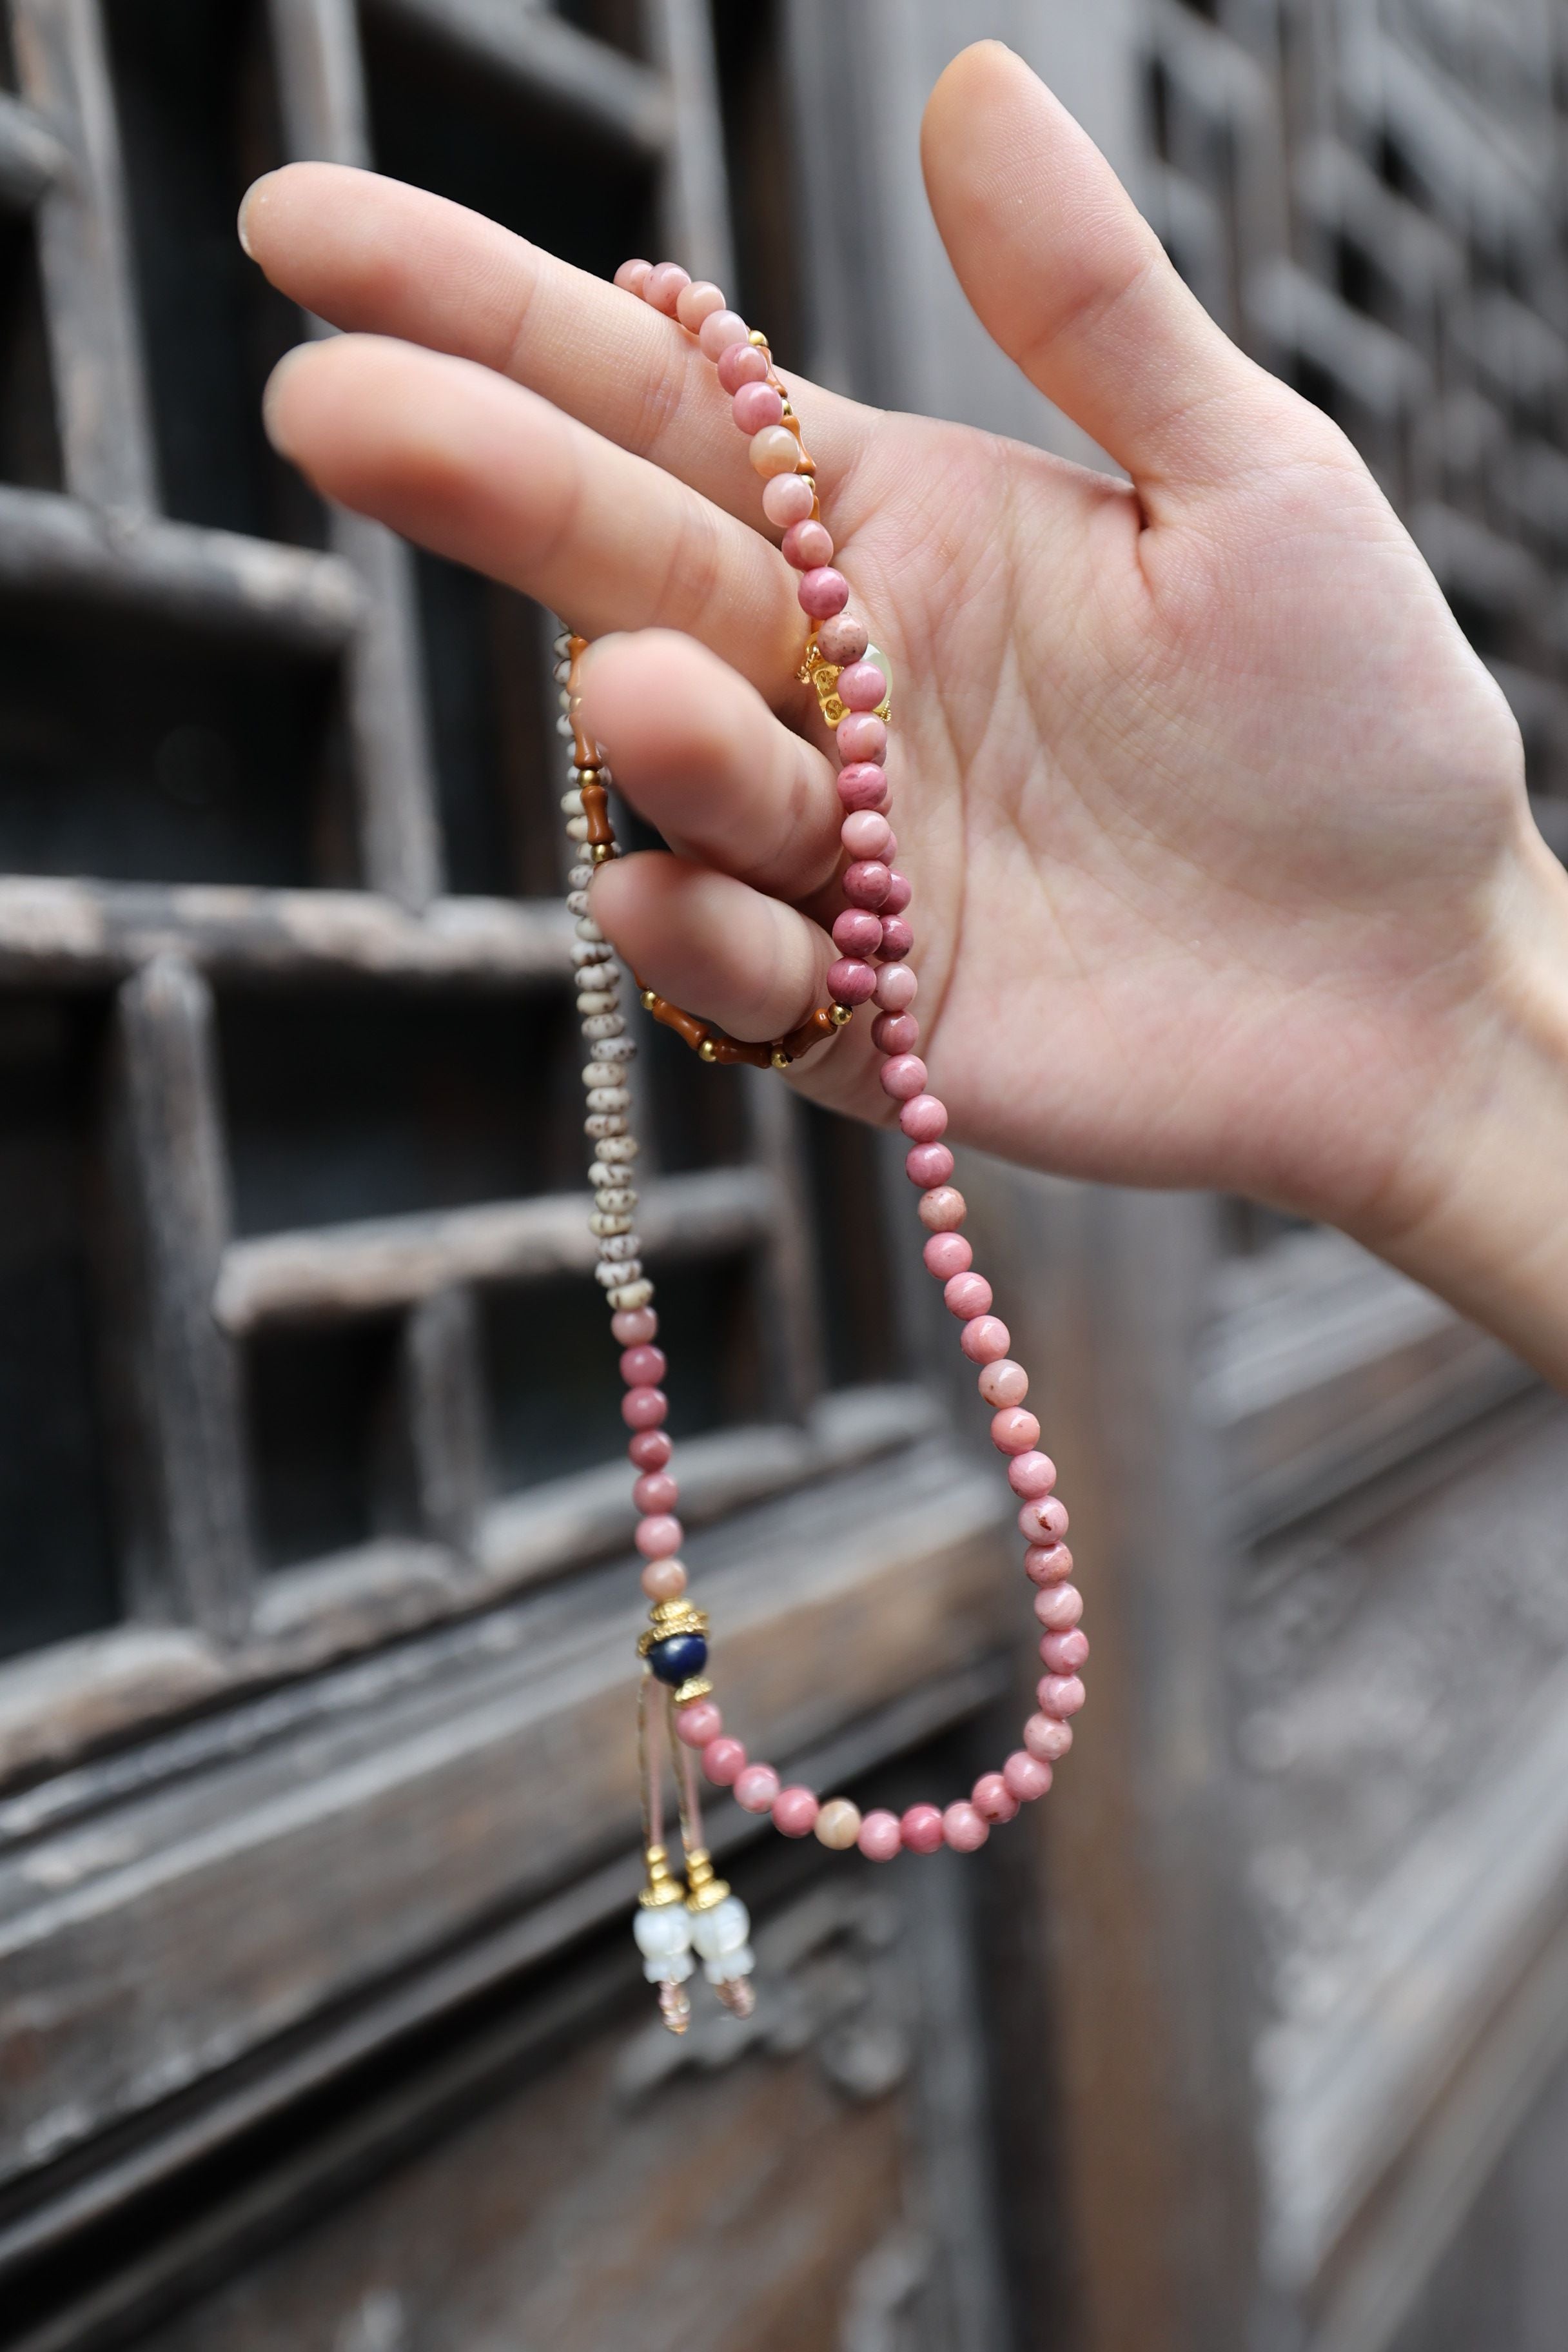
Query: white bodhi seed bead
595	1002
619	1147
612	1277
615	1200
609	1098
604	1125
632	1296
601	1026
621	1248
603	1074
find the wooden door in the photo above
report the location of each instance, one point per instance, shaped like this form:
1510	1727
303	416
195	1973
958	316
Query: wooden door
320	2024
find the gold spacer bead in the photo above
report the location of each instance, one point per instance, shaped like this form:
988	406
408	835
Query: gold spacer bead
704	1892
647	1000
840	1014
694	1686
780	1058
663	1887
601	852
756	336
708	1051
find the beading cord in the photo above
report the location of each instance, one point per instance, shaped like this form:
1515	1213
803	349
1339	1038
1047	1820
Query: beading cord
853	683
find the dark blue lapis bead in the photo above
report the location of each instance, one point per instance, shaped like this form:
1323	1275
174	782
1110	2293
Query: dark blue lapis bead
675	1661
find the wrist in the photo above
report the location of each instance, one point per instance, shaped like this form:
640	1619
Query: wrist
1490	1177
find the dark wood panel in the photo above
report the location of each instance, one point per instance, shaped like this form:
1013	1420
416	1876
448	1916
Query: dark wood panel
143	1949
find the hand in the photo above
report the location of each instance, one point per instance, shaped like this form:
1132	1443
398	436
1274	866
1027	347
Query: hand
1224	870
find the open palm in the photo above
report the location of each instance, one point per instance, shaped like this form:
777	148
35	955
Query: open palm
1217	830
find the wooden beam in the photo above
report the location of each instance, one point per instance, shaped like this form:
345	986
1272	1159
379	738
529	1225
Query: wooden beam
212	581
85	931
386	1262
582	81
32	158
1324	1367
167	1937
106	434
326	116
174	1197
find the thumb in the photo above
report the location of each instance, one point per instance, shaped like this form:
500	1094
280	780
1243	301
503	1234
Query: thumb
1068	278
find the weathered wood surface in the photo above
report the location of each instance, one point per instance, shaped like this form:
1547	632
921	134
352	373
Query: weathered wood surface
32	157
799	2214
695	196
142	1950
594	89
445	1403
185	1370
56	1708
99	387
214	582
325	114
1323	1366
330	2048
87	931
354	1269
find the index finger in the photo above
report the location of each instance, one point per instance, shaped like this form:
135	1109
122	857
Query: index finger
376	255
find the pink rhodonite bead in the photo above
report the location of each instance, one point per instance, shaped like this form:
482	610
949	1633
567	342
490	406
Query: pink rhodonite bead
861	686
634	276
1046	1738
719	330
881	1836
1059	1696
963	1828
865	884
1043	1523
644	1367
857	932
664	1579
756	1787
929	1165
897	987
861	736
807	545
924	1120
655	1490
1032	1476
946	1254
698	1723
1065	1653
895	1032
922	1829
1028	1776
787	498
1014	1431
992	1798
635	1326
842	640
899	893
897	937
650	1449
985	1340
903	1078
644	1408
1058	1607
1003	1382
775	450
698	302
742	364
966	1296
866	833
1047	1564
664	285
658	1536
863	785
944	1208
724	1760
794	1812
756	405
850	981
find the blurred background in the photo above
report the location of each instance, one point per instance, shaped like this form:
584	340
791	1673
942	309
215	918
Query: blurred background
320	2026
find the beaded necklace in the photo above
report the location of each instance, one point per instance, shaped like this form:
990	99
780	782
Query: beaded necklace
678	1721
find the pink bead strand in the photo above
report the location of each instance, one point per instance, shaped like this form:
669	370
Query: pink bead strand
874	939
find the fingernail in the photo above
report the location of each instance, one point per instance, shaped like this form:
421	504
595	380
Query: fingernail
285	367
244	204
